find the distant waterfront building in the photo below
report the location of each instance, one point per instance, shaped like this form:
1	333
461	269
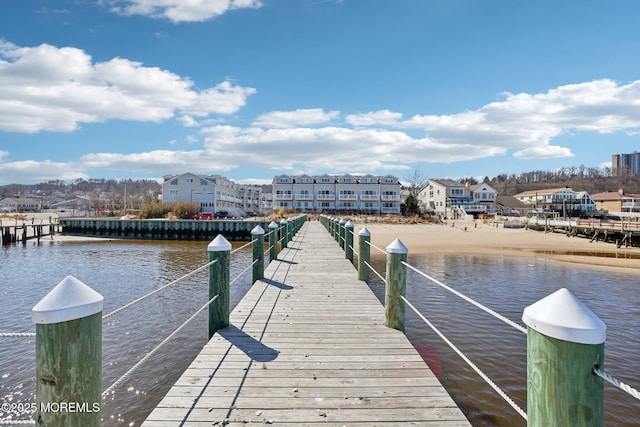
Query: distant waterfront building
617	201
451	199
622	164
214	193
365	193
11	204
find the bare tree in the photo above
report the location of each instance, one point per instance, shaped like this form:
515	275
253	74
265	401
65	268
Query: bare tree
415	180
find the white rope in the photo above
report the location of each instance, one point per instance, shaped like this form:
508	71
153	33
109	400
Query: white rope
156	348
134	302
466	298
616	382
17	334
242	272
376	273
502	394
17	422
375	247
243	246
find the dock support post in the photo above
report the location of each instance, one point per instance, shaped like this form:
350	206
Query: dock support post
348	241
396	285
69	355
341	233
283	233
364	254
220	250
273	241
257	237
565	340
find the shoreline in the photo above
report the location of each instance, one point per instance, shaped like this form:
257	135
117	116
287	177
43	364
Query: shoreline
486	240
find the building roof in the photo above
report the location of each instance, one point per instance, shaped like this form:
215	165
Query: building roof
447	182
613	196
542	191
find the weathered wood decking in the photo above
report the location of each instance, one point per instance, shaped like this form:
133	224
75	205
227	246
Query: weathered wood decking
307	346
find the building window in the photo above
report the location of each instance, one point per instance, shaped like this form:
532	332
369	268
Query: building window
174	182
203	182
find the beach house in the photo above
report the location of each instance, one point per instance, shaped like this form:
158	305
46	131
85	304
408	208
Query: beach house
451	199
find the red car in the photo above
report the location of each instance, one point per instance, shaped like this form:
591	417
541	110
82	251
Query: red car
203	215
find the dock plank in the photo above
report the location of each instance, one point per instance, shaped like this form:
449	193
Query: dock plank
308	346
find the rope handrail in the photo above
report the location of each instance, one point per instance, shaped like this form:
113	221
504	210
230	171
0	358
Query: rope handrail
469	300
156	348
376	273
243	272
18	422
375	247
136	301
243	246
17	334
488	380
616	382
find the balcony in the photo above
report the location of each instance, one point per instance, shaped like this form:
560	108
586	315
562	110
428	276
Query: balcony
304	196
325	196
390	197
395	209
347	197
369	197
283	197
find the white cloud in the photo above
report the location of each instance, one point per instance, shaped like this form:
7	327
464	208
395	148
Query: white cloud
181	10
34	171
56	89
290	119
375	118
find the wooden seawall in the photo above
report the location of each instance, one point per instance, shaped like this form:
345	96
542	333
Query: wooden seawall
307	345
159	229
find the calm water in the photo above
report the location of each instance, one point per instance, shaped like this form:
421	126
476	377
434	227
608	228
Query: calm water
123	271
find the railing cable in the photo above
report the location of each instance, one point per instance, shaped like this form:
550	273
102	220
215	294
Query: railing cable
375	247
134	302
242	272
470	300
156	348
616	382
498	390
376	273
244	246
17	334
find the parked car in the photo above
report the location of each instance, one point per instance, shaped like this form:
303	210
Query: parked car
203	215
222	214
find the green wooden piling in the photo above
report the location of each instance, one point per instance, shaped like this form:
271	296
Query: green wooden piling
348	243
283	233
69	356
220	250
273	241
364	254
565	340
396	285
257	237
341	233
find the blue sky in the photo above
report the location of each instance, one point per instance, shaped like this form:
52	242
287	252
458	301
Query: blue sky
254	88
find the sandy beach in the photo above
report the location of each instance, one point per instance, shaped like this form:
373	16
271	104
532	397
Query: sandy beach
483	238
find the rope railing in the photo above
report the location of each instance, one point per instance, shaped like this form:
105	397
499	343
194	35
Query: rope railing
616	382
142	298
17	334
468	299
156	348
473	366
243	246
377	248
375	272
243	272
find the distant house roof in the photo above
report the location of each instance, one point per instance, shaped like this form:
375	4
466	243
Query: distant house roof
447	182
542	191
510	202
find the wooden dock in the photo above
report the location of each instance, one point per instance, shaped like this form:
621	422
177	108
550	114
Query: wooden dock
308	346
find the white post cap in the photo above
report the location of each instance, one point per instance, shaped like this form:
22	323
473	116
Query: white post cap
364	232
563	316
342	221
69	300
257	230
219	244
273	225
397	247
283	221
349	224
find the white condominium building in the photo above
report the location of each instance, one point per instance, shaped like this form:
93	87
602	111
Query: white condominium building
366	193
214	193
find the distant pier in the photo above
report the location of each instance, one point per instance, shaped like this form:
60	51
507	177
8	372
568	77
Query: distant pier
23	231
160	229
